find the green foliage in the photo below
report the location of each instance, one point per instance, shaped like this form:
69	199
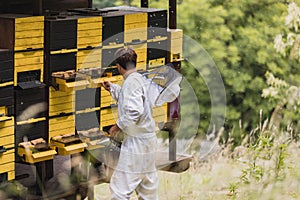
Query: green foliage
103	3
286	98
286	95
233	189
289	45
239	37
267	152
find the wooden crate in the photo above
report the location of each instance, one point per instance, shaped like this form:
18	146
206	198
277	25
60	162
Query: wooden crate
21	32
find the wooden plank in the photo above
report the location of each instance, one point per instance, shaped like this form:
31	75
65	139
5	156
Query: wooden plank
17	6
90	3
7	140
7	157
7	33
7	167
144	3
63	5
39	7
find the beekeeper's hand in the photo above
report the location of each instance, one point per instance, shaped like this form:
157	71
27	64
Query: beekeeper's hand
114	130
106	85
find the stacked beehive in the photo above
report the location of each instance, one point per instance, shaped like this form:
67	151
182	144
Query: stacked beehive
7	150
24	36
52	69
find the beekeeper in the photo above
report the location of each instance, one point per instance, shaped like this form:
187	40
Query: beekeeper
136	170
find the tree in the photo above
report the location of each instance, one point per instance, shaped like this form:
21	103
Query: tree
287	44
239	36
284	94
103	3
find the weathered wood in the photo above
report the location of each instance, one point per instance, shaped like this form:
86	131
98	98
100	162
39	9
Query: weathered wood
144	3
16	6
7	33
90	3
39	7
172	14
63	5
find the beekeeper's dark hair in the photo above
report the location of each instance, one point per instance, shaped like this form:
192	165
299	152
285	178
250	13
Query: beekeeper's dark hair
126	58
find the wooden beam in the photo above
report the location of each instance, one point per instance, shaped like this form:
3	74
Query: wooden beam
37	7
144	3
63	5
172	14
90	3
173	107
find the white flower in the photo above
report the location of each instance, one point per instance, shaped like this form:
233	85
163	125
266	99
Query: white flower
292	20
279	44
269	92
290	39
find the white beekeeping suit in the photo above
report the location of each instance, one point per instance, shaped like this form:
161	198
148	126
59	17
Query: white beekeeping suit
137	157
163	85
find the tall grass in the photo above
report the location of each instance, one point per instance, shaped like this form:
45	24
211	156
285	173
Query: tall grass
266	166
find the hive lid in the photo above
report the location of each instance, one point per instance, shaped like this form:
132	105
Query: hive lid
30	84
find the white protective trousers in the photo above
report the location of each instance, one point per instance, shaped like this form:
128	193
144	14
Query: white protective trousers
136	170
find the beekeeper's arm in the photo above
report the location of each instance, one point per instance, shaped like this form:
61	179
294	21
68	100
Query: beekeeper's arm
132	106
114	89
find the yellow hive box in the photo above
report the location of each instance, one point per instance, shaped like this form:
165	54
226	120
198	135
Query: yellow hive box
32	120
106	100
61	108
133	18
29	58
160	114
7	138
7	157
136	33
6	121
141	59
8	168
141	66
7	141
113	45
66	86
29	156
88	110
89	58
89	32
3	110
61	125
68	144
108	117
94	138
6	127
135	27
157	39
72	149
174	34
95	83
156	62
28	61
175	44
62	51
36	151
94	145
6	84
24	32
141	51
61	102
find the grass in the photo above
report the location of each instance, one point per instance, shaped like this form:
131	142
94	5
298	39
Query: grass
266	167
